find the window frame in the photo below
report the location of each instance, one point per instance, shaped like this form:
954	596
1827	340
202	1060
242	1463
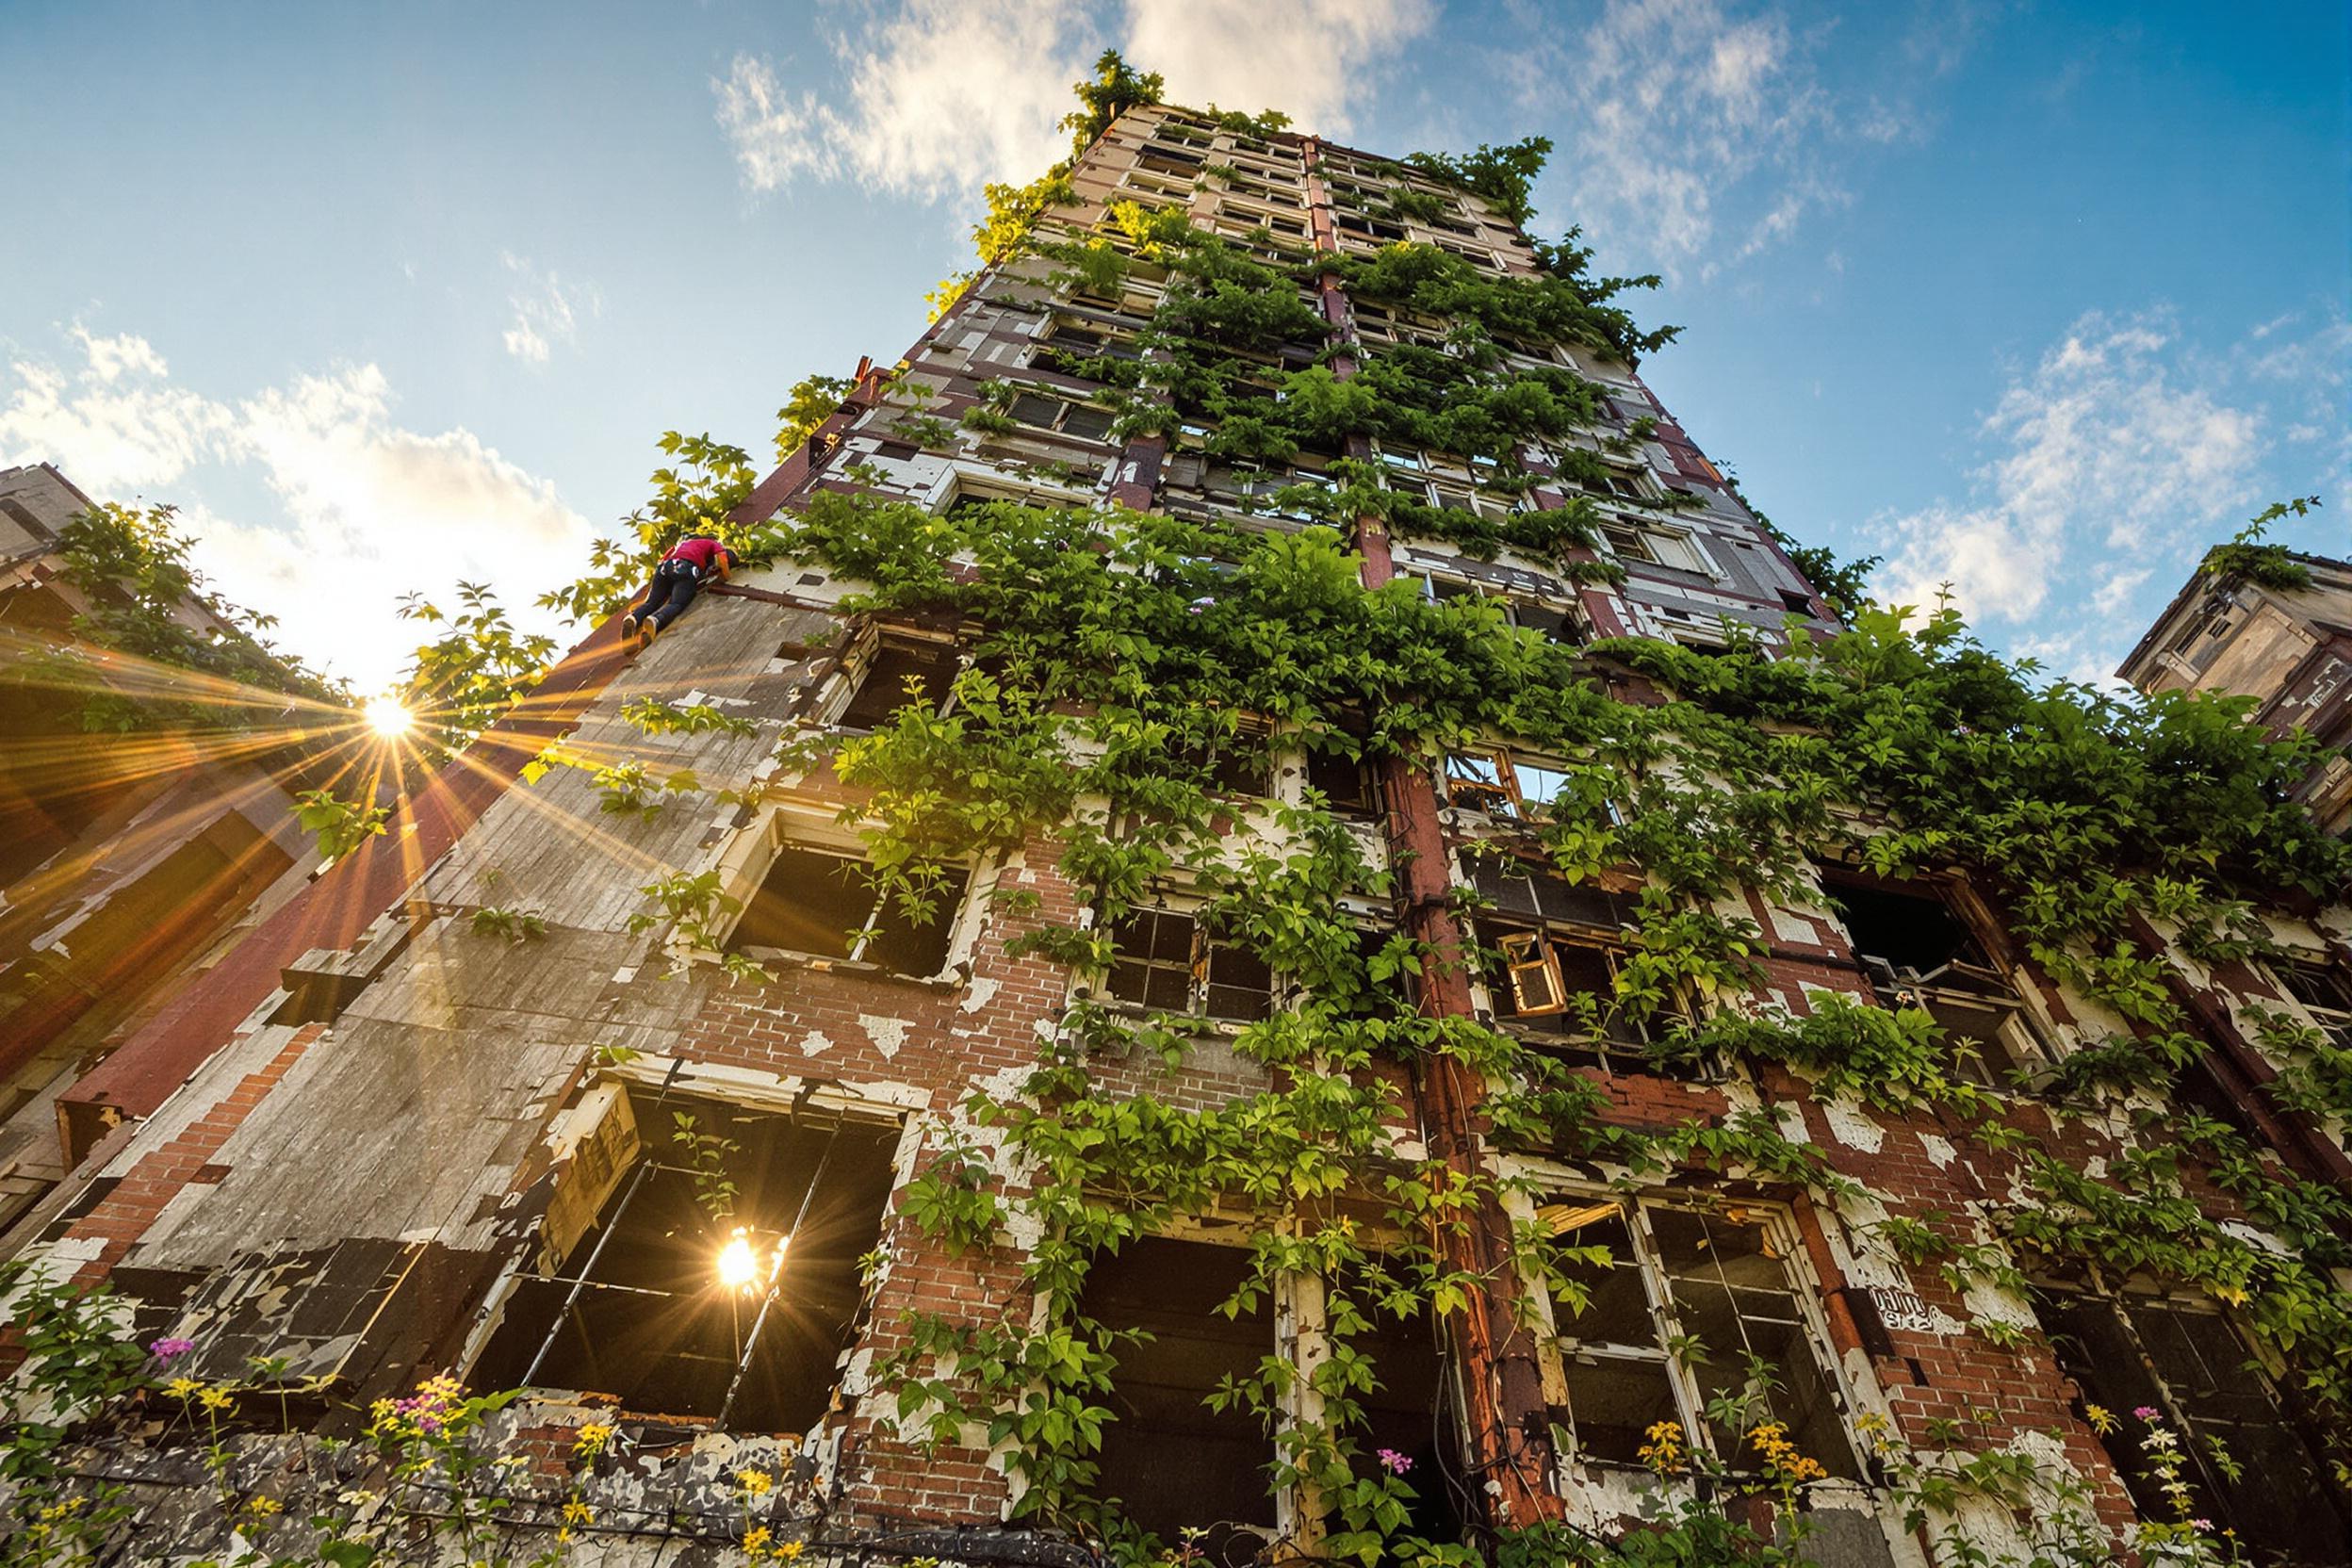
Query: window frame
1199	968
1804	1290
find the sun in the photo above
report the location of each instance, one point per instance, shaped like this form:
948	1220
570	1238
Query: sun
389	717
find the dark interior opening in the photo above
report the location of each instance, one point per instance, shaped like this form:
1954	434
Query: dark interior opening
2191	1367
817	901
1171	1461
1413	1413
1345	781
1910	930
884	692
654	1325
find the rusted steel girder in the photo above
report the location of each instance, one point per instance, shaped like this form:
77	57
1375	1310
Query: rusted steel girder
1507	1420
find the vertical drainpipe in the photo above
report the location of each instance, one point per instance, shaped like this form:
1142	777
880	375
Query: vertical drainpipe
1510	1425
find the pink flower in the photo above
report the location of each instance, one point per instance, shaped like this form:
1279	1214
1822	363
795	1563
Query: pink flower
2145	1412
168	1350
1393	1462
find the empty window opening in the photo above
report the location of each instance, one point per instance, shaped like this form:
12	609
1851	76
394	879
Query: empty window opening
1415	1411
1717	1282
1172	1463
1166	960
1919	952
1347	783
901	672
1239	763
679	1304
2131	1352
823	903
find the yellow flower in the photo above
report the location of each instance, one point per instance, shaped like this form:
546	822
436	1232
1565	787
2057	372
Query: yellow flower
262	1508
754	1483
1663	1452
592	1439
789	1551
184	1388
2102	1420
577	1513
756	1540
214	1398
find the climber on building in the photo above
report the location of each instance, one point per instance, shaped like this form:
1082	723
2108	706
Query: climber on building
694	561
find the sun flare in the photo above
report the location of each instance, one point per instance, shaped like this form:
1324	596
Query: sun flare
389	717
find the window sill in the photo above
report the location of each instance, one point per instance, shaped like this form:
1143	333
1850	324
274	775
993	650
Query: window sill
951	979
1184	1023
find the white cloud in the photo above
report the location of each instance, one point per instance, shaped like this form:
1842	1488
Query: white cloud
116	421
775	140
941	96
1310	58
368	508
2120	448
1698	132
547	310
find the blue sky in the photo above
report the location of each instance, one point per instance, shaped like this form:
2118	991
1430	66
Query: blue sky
2035	298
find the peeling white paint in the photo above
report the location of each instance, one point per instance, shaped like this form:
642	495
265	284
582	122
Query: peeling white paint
980	993
1940	1151
816	1044
888	1034
1850	1125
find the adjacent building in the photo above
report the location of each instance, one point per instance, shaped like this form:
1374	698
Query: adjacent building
664	1090
128	859
2282	636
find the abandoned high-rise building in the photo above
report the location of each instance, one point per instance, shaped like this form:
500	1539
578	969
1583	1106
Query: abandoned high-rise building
1277	928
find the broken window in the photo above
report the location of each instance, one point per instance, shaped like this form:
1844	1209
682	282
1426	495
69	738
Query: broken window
2248	1467
1690	1307
1919	951
1171	1461
1166	960
901	671
1555	949
1655	547
682	1298
1080	342
2325	991
1504	784
1081	421
822	903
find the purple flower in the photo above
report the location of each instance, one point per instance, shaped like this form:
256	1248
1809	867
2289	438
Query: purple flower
2145	1412
1393	1462
168	1350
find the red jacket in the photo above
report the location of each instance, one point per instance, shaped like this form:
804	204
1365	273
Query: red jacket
699	553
